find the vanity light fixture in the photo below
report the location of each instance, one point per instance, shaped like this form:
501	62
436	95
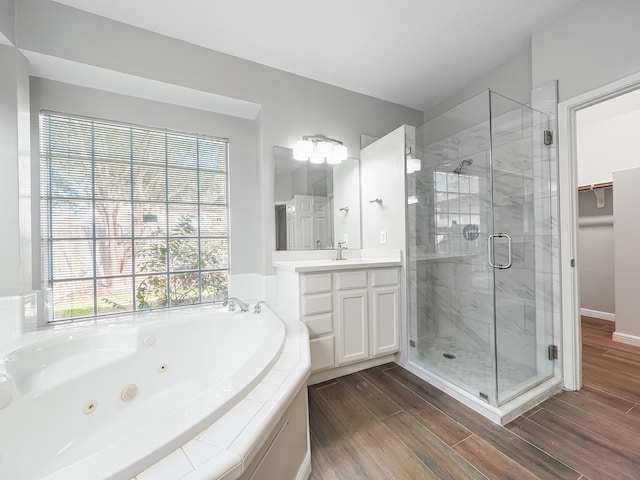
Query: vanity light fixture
413	164
320	149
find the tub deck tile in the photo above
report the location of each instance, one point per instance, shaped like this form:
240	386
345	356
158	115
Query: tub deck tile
225	465
275	377
262	392
199	452
174	465
224	431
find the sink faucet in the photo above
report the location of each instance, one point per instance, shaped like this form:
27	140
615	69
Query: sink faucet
258	307
233	301
341	246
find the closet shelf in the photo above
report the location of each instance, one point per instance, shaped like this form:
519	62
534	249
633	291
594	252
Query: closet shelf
595	186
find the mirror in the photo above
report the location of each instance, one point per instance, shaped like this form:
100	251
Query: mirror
316	206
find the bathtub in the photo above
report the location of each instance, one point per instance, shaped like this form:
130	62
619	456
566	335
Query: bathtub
110	399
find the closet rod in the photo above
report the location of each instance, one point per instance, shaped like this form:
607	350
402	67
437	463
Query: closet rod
595	186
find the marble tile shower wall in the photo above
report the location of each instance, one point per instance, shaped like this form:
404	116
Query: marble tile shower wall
513	209
453	297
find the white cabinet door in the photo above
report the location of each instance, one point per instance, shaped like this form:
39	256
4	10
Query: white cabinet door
385	325
352	336
322	353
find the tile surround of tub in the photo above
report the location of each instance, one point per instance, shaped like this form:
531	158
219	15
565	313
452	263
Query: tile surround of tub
18	315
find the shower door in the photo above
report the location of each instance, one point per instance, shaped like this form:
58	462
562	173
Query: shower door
451	285
519	247
479	256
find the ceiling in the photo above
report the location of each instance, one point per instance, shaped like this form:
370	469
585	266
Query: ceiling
411	52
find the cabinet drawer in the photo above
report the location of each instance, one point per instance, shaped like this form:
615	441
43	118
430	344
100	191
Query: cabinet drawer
317	303
353	279
319	324
322	353
315	283
384	276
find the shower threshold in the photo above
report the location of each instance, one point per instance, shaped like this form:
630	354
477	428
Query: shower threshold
500	415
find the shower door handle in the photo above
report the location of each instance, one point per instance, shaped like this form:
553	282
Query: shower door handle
490	246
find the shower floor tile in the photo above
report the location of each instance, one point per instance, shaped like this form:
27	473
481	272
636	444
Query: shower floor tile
471	368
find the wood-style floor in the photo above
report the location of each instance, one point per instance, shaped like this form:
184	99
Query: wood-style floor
385	423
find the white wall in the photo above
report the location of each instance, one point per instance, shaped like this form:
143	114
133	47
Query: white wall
512	79
626	198
607	138
14	147
283	187
593	44
346	193
7	15
299	182
382	176
595	255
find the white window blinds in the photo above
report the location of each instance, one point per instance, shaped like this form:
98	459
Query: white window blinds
131	217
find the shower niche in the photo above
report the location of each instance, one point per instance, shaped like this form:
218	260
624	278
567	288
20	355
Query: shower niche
480	239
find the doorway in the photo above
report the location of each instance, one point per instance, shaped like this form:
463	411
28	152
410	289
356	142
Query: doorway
571	114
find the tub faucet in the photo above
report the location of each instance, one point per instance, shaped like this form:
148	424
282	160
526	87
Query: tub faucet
341	246
233	301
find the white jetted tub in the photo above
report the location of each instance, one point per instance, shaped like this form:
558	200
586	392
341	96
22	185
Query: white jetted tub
108	400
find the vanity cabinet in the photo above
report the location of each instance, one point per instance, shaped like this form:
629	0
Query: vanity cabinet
352	315
316	310
384	307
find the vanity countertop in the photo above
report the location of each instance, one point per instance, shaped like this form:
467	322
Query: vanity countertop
324	265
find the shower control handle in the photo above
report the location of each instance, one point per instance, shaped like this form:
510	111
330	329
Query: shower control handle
490	246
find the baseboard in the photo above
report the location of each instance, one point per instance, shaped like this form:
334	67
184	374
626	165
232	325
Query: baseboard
305	469
330	374
598	314
626	338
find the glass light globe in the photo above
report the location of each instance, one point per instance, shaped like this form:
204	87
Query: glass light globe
305	146
413	164
325	148
316	158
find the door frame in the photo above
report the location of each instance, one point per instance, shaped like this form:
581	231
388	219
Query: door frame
568	196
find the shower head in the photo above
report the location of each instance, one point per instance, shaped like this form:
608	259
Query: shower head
461	165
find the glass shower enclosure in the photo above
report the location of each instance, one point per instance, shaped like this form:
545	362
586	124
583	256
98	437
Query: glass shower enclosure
479	233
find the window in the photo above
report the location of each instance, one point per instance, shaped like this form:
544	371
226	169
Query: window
131	217
457	206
